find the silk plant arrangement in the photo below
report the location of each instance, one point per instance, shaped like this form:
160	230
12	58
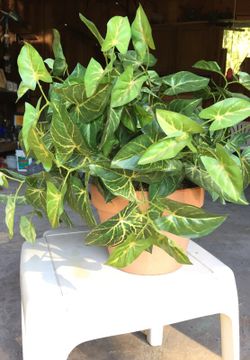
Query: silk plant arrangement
123	127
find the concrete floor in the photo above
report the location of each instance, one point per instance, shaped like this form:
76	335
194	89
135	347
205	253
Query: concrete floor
193	340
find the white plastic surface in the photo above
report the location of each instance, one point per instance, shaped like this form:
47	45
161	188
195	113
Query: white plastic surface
69	296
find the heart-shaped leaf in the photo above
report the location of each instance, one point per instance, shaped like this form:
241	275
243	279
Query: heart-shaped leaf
93	75
209	66
118	34
172	249
27	229
30	119
187	220
54	204
183	82
226	113
184	106
41	152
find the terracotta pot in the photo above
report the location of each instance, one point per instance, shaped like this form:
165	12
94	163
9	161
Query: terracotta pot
157	262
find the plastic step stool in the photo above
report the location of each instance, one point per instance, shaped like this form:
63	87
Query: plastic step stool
68	296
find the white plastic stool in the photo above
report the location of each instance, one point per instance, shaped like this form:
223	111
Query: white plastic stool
69	297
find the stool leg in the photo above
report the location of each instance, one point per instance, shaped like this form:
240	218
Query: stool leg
230	339
155	336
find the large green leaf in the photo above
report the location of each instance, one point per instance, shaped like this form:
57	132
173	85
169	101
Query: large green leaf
226	173
30	119
65	134
143	115
187	220
117	182
244	79
128	118
126	88
54	204
126	252
92	28
27	229
85	109
167	186
184	106
10	215
31	67
118	34
226	113
77	75
60	65
164	149
183	82
142	33
40	150
172	249
93	75
112	123
175	124
208	65
79	200
36	196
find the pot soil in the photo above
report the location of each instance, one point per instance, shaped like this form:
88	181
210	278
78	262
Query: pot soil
157	262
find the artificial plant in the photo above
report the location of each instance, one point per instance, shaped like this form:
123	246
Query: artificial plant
122	126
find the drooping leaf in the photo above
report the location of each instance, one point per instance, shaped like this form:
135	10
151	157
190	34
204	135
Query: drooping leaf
164	149
126	88
92	28
117	181
226	113
54	204
38	147
175	124
225	173
184	106
60	65
118	34
183	82
209	66
10	215
142	33
172	249
79	200
187	220
93	75
3	180
31	67
22	89
65	134
27	229
112	123
30	119
126	252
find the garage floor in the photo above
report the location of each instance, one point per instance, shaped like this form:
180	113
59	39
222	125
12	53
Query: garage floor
193	340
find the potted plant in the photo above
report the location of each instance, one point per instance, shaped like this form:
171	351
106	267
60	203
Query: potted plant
135	136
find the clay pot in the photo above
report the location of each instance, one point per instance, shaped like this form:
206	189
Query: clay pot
157	262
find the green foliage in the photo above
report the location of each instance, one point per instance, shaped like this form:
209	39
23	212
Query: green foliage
126	128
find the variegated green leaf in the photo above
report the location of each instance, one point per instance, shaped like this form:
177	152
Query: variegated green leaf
93	75
187	220
172	249
225	173
183	82
244	79
175	124
38	147
22	89
85	109
245	163
3	180
31	67
167	186
164	149
36	196
65	134
60	65
10	215
27	229
79	200
117	182
209	66
126	252
126	88
112	123
226	113
184	106
77	76
49	62
30	119
92	28
54	204
142	33
118	34
144	117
